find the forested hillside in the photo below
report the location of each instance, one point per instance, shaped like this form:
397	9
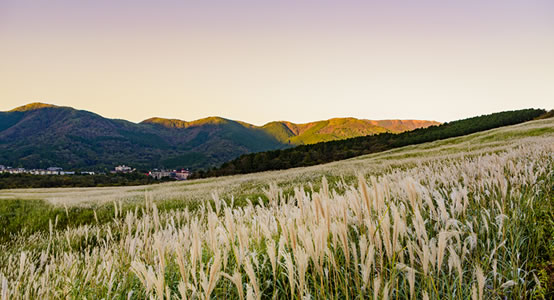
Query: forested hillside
324	152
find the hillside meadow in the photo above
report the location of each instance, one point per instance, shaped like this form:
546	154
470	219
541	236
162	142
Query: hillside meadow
467	217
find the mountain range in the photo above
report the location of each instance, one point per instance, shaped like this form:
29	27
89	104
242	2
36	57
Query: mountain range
39	135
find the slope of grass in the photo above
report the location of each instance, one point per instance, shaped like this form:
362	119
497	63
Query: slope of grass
454	220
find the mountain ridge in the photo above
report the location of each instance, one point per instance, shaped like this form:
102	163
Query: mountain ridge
296	133
40	135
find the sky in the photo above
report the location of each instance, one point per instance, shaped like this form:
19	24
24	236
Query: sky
265	60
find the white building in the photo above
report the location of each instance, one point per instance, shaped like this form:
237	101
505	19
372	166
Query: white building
123	169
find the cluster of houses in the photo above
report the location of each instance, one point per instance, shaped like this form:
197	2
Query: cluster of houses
158	174
49	171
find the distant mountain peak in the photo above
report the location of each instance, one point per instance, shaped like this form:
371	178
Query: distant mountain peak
209	120
33	106
176	123
169	123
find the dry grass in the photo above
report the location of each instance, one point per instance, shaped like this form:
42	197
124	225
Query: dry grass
458	222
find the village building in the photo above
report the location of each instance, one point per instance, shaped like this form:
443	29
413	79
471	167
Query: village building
182	174
123	169
176	174
17	171
159	174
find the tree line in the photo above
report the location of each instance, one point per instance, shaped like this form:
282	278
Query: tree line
324	152
13	181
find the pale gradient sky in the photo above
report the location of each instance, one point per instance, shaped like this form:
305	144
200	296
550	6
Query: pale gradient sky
263	60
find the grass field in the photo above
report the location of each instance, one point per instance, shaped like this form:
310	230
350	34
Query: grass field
468	217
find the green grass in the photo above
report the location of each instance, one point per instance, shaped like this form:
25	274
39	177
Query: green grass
26	217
